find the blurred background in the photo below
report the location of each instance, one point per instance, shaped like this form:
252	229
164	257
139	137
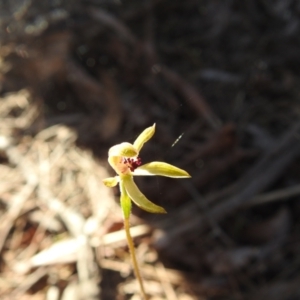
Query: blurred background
221	80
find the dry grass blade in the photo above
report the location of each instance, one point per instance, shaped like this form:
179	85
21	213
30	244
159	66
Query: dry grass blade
7	221
192	97
54	174
259	177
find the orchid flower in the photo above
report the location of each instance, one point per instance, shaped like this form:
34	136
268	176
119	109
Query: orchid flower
124	159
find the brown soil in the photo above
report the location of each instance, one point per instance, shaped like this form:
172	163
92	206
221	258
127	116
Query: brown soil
219	78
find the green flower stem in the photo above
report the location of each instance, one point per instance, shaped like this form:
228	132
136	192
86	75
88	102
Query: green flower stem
126	208
133	257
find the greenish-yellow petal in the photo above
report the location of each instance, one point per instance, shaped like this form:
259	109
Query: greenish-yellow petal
125	201
162	169
124	149
138	197
111	181
145	136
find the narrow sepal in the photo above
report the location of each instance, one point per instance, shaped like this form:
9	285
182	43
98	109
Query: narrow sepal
145	136
138	197
162	169
111	181
125	201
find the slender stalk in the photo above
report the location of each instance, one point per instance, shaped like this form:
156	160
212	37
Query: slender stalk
133	257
